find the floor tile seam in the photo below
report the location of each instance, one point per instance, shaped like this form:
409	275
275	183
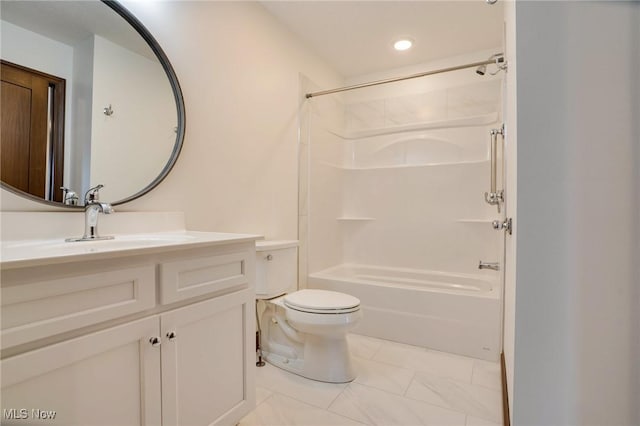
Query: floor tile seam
458	382
486	387
255	409
350	418
381	389
447	377
454	355
409	384
453	379
344	415
265	400
434	374
393	365
473	371
388	364
407	397
451	409
486	419
465	414
466	419
420	371
304	402
311	405
307	379
377	350
338	395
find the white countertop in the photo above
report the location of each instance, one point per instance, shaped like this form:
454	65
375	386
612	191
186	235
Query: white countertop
34	252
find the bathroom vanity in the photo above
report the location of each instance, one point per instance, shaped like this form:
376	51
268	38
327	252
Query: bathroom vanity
143	329
155	326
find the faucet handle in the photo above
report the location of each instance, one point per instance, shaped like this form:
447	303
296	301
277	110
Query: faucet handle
107	209
92	194
69	197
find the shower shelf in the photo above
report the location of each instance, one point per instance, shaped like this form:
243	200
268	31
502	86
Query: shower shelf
474	220
476	120
405	166
354	218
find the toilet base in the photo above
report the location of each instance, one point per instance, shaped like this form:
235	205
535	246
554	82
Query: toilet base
325	360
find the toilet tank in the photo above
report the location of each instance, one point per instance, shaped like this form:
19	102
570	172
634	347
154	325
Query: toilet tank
276	268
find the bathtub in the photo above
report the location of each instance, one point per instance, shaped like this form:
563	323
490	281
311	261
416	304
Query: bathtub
455	313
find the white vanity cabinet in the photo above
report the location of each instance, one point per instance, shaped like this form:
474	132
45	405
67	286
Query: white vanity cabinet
161	338
110	377
205	367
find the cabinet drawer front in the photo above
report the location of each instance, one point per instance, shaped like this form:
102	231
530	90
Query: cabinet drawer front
187	278
45	308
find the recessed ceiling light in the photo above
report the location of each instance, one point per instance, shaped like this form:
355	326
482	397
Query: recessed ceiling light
403	44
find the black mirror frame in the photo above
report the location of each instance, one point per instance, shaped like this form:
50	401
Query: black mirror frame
177	93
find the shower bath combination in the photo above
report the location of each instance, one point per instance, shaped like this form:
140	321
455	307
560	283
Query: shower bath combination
415	270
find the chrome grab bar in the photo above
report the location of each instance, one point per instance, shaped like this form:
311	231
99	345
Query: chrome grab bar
494	197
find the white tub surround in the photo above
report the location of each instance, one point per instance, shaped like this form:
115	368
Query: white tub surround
393	190
457	313
144	327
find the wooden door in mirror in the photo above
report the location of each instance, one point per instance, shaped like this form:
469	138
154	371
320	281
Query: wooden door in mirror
32	135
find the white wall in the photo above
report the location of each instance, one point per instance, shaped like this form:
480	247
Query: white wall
129	148
576	314
32	50
239	72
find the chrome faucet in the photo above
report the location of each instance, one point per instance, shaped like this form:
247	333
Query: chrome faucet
92	208
495	266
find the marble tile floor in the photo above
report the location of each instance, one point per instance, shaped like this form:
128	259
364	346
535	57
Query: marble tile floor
397	384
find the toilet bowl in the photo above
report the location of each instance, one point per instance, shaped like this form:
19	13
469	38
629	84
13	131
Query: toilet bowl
302	331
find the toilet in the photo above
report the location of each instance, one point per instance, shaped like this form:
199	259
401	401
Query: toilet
302	331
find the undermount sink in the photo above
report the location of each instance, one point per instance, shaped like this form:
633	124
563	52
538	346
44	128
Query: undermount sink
118	242
25	252
135	239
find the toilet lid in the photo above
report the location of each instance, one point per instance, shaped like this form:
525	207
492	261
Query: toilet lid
322	302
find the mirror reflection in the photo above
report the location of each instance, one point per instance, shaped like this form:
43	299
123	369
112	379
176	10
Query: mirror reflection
85	101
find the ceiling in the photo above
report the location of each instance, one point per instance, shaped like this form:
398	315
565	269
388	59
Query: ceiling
356	37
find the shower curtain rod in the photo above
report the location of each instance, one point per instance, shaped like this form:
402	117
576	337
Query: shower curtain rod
495	59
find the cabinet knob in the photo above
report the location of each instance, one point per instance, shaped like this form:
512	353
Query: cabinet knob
171	335
155	341
269	257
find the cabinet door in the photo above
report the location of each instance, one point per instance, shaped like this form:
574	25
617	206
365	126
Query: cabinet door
207	366
110	377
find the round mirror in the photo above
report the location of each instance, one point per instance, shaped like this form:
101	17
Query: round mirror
88	98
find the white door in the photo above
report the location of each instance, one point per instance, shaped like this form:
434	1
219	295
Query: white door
111	377
207	361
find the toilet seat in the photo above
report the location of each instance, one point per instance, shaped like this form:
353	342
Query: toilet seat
321	302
